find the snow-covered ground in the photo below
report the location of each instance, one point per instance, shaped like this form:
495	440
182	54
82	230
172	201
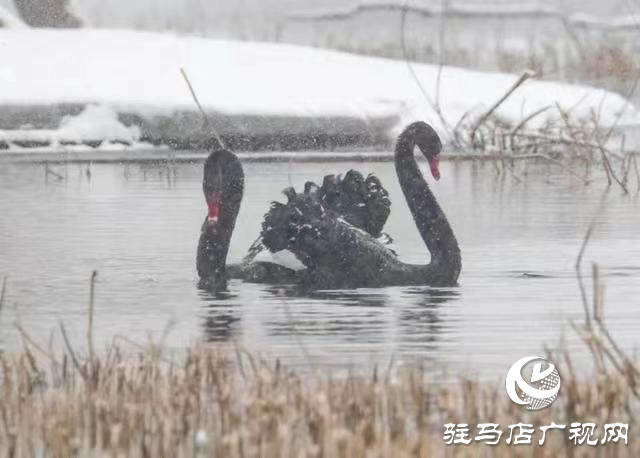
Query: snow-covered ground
9	20
94	123
138	75
480	10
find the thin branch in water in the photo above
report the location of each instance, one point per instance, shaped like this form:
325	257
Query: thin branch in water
143	348
597	295
48	172
527	119
456	129
407	59
626	167
607	163
92	287
207	121
578	264
617	350
441	54
524	77
3	292
635	166
236	351
27	338
72	353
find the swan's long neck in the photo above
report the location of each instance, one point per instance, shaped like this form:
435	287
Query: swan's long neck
430	220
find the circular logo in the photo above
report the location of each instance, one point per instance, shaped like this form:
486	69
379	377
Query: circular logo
545	390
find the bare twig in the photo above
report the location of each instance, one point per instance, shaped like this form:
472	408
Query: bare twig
236	351
143	348
524	77
90	315
564	141
456	128
613	352
208	123
441	56
578	265
407	59
628	98
529	118
635	166
48	172
569	129
607	164
72	353
2	293
34	344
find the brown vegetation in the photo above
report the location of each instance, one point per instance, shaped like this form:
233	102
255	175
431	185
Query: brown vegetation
212	401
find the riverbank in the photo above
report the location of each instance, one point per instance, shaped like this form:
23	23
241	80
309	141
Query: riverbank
97	88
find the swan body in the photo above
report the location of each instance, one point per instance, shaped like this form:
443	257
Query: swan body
334	236
338	256
362	203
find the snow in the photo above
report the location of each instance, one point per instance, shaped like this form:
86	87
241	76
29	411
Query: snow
429	9
477	10
9	20
136	72
283	258
95	122
629	21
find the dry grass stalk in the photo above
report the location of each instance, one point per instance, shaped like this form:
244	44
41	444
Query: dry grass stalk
207	121
202	406
488	134
569	143
92	293
519	82
204	403
3	291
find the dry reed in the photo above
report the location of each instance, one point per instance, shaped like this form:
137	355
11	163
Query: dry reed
215	401
201	405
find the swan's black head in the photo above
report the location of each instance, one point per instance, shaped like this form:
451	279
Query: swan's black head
429	143
223	186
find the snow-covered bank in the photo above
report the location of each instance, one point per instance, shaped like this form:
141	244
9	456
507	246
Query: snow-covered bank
458	9
94	125
256	90
8	20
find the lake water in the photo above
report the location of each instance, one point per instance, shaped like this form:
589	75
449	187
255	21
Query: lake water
137	224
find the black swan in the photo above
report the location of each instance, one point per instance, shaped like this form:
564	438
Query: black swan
340	256
361	202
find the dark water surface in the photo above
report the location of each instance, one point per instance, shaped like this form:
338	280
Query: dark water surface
138	225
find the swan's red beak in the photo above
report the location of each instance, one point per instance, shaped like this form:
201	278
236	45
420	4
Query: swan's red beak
214	210
434	165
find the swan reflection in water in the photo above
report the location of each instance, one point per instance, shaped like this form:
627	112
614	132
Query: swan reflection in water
221	315
409	318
